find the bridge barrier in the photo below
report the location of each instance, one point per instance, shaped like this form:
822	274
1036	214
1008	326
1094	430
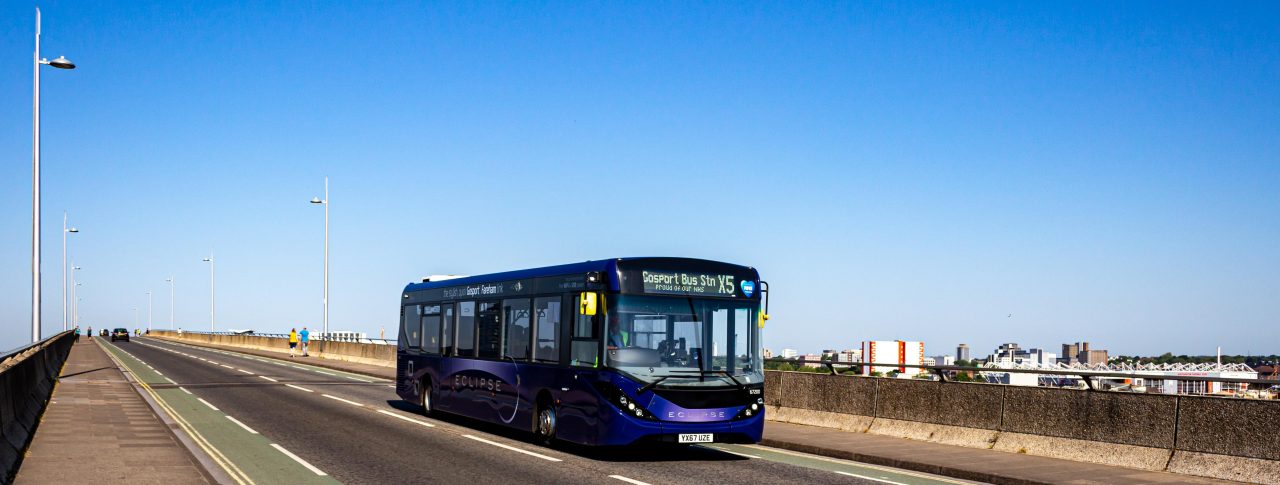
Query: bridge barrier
27	378
1216	437
364	353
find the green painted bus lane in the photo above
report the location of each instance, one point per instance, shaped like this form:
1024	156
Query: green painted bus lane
246	456
864	471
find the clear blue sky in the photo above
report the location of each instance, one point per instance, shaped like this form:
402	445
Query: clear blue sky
1104	172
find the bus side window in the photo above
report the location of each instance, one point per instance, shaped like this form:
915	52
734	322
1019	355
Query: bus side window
515	315
546	347
489	320
413	326
446	339
467	329
585	345
431	329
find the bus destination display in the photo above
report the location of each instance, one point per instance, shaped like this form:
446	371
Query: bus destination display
680	283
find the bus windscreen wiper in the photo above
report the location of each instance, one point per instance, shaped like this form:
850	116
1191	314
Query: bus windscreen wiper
651	385
714	372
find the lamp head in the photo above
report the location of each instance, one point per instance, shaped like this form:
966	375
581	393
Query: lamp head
62	63
206	260
73	230
316	200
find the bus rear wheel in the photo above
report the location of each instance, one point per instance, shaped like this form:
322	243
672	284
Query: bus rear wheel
546	425
424	397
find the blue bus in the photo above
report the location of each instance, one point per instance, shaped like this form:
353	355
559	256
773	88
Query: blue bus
610	352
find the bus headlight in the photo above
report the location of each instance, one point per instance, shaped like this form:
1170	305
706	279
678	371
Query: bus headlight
615	396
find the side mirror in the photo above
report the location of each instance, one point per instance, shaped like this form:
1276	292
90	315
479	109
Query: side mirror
587	303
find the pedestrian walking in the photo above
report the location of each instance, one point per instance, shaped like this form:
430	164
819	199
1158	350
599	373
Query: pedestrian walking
305	337
293	340
89	332
76	332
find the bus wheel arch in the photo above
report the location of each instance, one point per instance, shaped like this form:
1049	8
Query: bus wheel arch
545	418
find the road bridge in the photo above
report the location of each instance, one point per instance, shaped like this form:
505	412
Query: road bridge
253	419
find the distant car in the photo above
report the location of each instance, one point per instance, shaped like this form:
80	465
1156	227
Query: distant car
120	334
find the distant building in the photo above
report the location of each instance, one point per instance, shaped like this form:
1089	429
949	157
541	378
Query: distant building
829	354
849	356
892	355
812	360
768	354
962	352
1080	353
789	353
929	361
944	360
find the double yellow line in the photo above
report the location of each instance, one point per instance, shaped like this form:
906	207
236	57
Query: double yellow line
232	470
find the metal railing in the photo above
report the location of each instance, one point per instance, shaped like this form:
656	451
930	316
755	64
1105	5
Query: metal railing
314	337
946	373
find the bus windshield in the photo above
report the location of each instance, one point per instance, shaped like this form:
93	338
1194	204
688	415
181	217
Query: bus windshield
683	340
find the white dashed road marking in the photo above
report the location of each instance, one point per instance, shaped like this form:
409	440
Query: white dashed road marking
242	425
517	450
628	480
268	378
300	388
336	398
411	420
206	403
299	460
864	477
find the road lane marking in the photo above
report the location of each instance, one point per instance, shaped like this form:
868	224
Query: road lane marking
406	418
299	460
517	450
206	403
628	480
184	389
326	373
864	477
242	425
343	400
268	378
300	388
227	366
868	466
733	453
245	371
356	379
170	380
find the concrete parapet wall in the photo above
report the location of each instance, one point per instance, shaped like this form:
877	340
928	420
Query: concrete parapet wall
26	382
1207	436
372	354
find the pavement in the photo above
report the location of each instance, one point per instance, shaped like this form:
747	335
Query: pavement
98	429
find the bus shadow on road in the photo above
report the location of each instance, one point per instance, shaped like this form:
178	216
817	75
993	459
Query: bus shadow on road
648	452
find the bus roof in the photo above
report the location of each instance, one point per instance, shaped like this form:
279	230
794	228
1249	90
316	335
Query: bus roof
607	266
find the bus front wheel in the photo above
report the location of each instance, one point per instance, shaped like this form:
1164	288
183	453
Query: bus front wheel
424	397
546	428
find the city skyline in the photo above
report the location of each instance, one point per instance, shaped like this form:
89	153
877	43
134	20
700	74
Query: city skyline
943	173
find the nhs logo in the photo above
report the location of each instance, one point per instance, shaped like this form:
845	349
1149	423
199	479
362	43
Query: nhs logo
748	287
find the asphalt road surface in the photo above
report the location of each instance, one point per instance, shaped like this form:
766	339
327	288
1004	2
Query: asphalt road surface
282	421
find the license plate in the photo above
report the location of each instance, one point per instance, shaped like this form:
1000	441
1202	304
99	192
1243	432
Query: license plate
695	438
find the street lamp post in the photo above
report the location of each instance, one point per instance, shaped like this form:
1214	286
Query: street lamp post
75	298
149	307
61	63
213	295
65	231
170	281
325	202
